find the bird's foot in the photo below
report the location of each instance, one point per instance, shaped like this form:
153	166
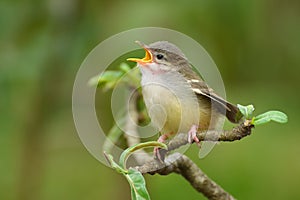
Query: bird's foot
158	151
192	135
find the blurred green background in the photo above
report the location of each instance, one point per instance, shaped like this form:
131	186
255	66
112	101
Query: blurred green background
255	44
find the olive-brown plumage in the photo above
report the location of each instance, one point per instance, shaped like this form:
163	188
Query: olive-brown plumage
176	97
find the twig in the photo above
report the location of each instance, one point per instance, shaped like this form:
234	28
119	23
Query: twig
131	133
237	133
181	164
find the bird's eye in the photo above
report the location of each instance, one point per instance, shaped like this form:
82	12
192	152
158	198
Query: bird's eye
159	56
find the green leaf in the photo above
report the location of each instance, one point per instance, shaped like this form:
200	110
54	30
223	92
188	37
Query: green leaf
107	79
246	110
125	67
94	81
132	192
113	164
110	76
132	149
266	117
135	179
137	185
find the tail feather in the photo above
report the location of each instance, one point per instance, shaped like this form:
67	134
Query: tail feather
233	114
231	111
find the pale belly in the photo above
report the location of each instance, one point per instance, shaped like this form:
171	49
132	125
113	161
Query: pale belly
173	106
171	113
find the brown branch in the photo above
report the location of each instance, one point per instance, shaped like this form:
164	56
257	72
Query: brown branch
181	164
237	133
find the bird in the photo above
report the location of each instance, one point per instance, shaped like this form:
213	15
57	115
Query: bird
176	97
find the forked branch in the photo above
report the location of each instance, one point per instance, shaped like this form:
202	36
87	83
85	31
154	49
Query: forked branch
181	164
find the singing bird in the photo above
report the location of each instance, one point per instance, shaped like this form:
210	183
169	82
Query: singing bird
176	97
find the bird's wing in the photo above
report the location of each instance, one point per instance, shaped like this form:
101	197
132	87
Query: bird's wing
202	89
231	111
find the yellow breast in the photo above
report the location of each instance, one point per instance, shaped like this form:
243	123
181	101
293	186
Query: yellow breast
170	114
172	104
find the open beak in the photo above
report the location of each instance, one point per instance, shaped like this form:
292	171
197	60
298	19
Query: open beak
148	55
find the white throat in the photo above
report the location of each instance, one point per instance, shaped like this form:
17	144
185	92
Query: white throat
174	95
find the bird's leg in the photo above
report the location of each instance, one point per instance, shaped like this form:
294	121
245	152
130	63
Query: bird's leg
192	135
157	154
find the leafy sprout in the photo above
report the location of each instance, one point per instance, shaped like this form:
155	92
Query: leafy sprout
109	79
135	178
263	118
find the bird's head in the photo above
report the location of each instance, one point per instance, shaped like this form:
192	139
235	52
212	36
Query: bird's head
161	57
